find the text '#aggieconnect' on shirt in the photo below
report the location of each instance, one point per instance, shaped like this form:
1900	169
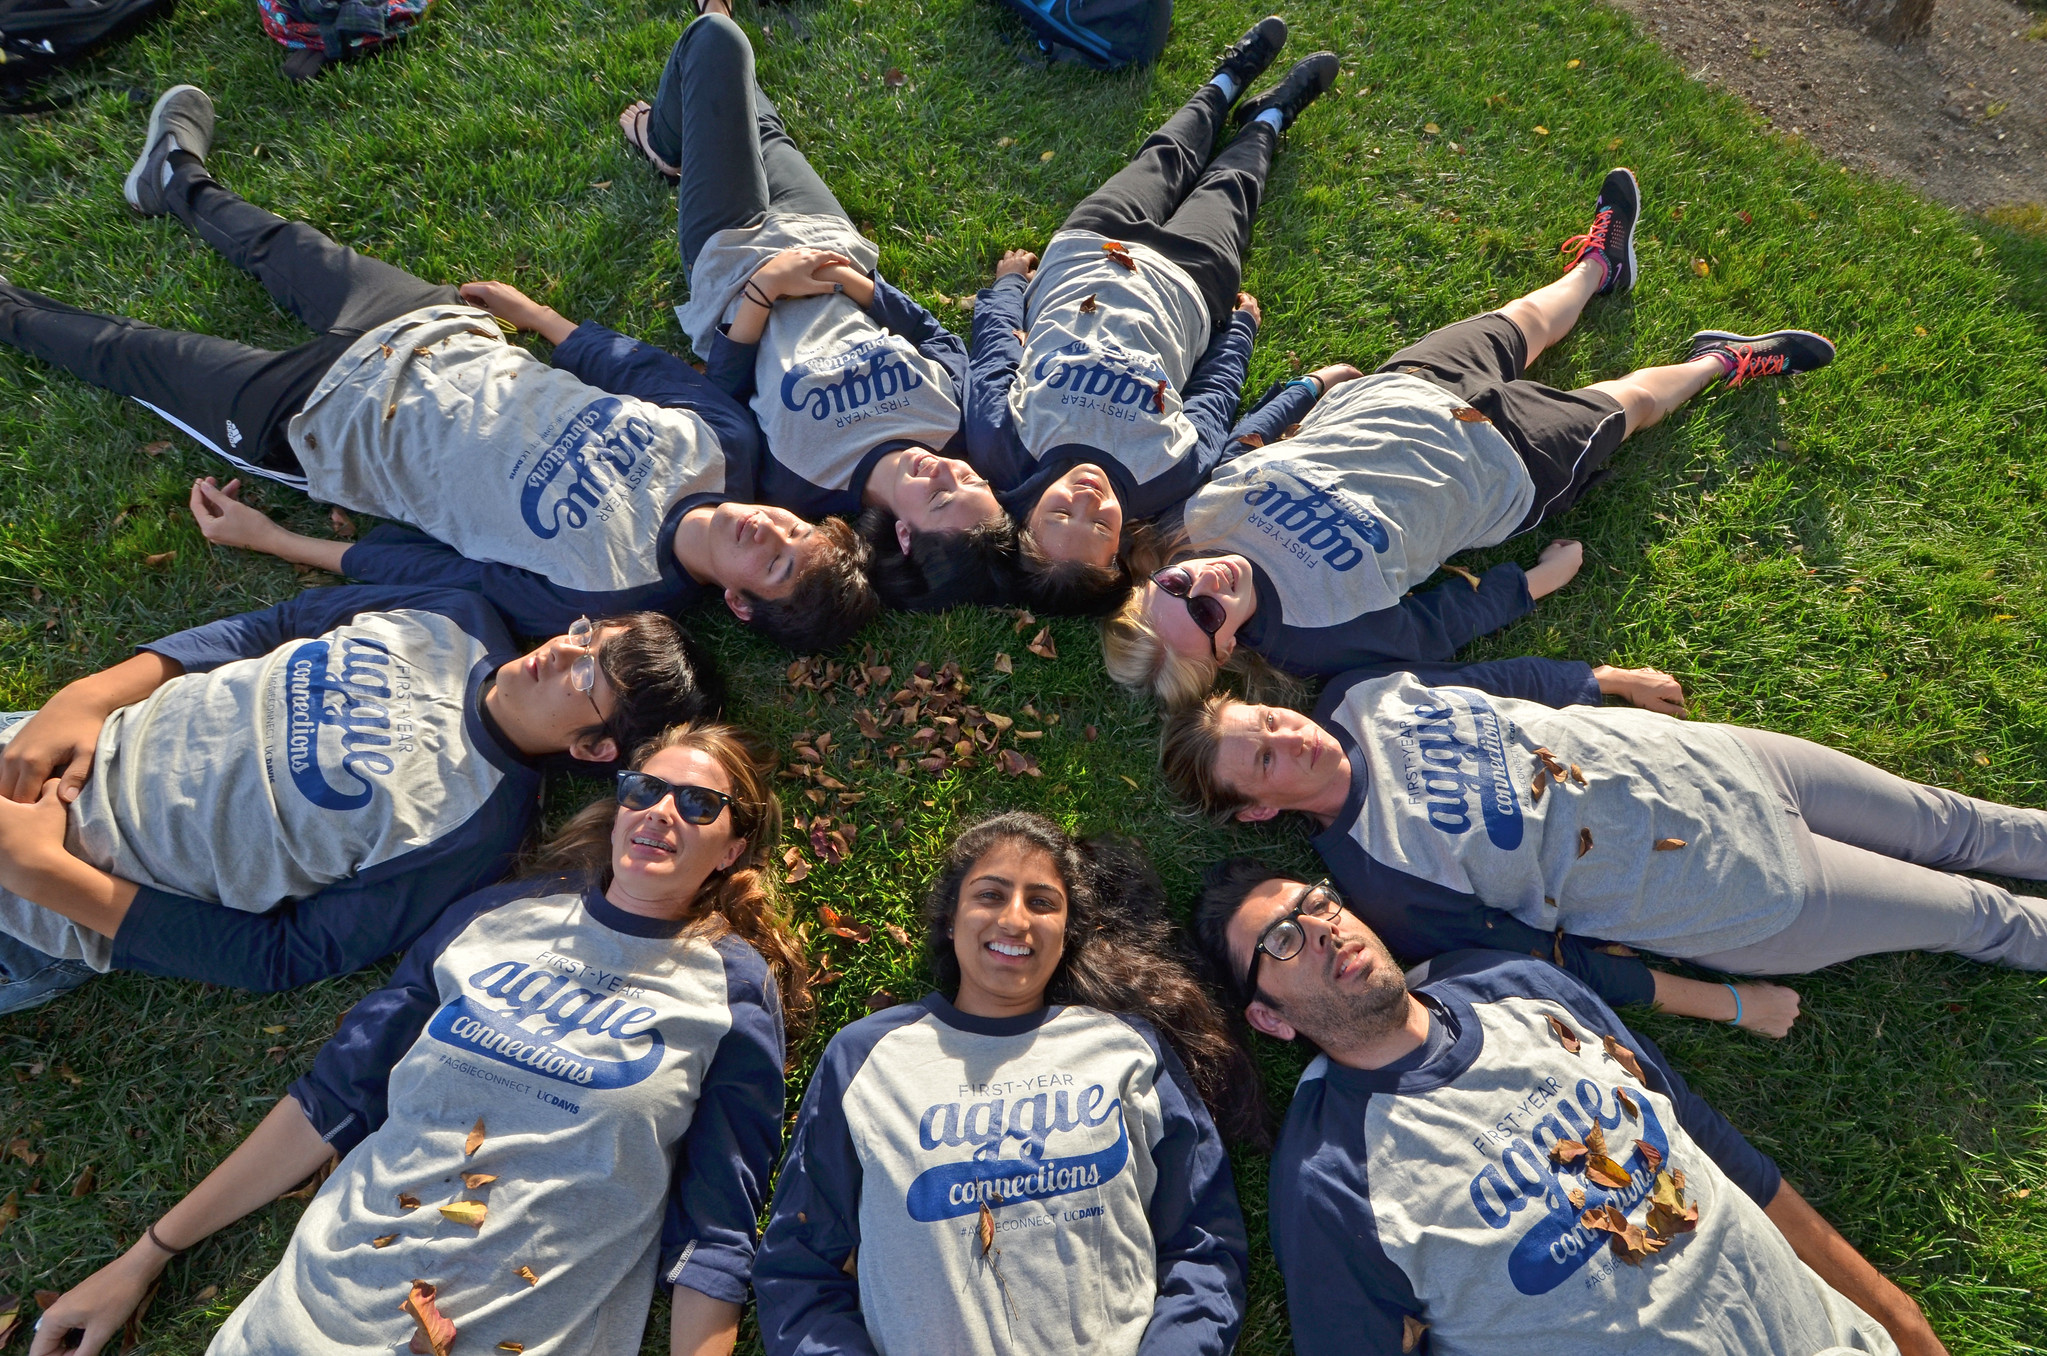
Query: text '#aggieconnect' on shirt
1109	350
1382	484
1003	1185
1434	1190
591	1052
435	421
1668	837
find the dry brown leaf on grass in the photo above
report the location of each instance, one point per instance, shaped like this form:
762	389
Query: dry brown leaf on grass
435	1333
1565	1036
475	1140
1042	646
46	1298
157	448
839	925
19	1148
526	1274
894	78
1018	764
1625	1058
795	866
476	1180
879	999
10	1318
83	1186
896	934
471	1213
1003	664
160	559
343	525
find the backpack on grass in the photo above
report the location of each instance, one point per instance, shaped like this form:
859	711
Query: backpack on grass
39	36
1104	34
318	33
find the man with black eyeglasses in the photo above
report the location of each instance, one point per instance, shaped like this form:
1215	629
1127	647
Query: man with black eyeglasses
1491	1162
286	795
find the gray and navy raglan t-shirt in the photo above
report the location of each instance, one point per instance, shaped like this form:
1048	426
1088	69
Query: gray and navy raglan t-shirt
1381	485
569	478
627	1077
1111	1218
1122	367
319	783
1427	1189
835	387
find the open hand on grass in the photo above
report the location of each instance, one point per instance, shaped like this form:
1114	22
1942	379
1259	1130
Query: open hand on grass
225	520
1768	1009
1556	567
1650	689
99	1304
1248	303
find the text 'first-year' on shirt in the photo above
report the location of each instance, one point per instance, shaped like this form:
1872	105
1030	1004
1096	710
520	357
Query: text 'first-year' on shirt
624	1076
1381	485
553	489
1426	1189
313	790
835	387
1443	841
1120	367
1115	1226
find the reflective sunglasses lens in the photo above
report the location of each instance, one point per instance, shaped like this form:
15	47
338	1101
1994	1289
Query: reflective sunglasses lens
1174	581
638	791
698	806
1208	614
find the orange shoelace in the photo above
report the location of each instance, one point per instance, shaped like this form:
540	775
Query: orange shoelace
1747	364
1593	239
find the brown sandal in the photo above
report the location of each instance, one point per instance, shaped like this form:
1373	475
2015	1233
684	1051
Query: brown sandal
632	123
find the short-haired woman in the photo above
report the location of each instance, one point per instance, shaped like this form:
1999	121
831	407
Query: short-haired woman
557	1067
1032	1162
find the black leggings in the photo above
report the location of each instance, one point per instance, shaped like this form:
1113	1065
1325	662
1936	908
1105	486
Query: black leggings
1194	210
232	398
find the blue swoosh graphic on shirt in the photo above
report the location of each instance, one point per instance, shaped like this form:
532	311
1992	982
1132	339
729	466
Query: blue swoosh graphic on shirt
953	1189
468	1025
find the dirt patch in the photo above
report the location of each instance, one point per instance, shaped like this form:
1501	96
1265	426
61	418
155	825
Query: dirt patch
1962	116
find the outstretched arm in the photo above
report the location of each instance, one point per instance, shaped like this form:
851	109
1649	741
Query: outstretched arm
278	1154
993	357
224	520
1820	1246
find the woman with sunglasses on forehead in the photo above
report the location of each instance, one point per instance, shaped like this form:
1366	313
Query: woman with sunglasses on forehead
1027	1161
1302	547
570	1090
287	795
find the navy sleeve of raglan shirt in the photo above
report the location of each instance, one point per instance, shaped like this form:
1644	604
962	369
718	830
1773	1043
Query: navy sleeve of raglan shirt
1196	1223
809	1305
729	1151
1553	682
1433	625
993	447
372	913
1214	387
393	553
1283	405
1419	919
900	313
346	1093
612	362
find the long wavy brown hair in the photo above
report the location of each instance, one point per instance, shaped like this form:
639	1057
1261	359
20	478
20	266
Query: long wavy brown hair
1120	954
743	899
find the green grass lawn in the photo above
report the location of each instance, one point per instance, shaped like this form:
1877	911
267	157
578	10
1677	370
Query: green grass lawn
1853	558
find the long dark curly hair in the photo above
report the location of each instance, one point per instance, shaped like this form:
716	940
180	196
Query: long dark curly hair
1120	954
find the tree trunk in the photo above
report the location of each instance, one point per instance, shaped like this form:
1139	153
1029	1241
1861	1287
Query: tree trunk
1893	21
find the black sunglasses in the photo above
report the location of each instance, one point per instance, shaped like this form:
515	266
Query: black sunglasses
1284	937
697	804
1177	581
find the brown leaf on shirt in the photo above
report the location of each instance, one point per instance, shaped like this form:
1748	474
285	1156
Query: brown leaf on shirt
1466	575
1088	305
1584	841
1412	1330
471	1213
1627	1104
476	1180
1576	1196
1577	776
384	1241
1625	1058
839	925
1565	1152
1604	1219
1603	1171
407	1201
1671	1223
511	1346
1651	1155
1669	844
1633	1246
1158	397
1468	415
1595	1140
343	525
435	1333
1120	252
475	1140
1539	785
986	1229
1565	1036
1041	644
526	1274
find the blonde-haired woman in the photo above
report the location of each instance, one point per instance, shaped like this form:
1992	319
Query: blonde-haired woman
572	1084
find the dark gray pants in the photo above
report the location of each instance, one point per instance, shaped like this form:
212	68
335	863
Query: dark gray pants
712	122
232	398
1194	210
1880	855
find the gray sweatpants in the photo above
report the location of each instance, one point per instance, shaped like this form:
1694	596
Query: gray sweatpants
1880	855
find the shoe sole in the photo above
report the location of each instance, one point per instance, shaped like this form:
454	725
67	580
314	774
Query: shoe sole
1632	274
132	184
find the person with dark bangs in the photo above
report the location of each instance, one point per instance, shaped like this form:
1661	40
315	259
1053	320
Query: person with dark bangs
1029	1159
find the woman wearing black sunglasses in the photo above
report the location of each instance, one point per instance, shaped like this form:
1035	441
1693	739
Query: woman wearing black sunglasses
572	1085
1025	1164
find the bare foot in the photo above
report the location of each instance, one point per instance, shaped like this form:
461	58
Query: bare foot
633	122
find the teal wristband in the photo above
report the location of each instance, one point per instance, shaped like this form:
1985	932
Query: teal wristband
1736	1019
1312	382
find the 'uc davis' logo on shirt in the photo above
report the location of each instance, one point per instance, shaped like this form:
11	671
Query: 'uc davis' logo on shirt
954	1189
596	451
355	703
565	1010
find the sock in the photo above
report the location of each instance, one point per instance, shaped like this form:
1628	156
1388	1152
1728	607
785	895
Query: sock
1227	83
1273	118
1605	266
1726	360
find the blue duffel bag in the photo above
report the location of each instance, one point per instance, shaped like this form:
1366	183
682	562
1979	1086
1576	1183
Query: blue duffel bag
1105	34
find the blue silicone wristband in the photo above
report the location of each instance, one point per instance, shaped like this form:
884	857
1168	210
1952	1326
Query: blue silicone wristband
1736	1019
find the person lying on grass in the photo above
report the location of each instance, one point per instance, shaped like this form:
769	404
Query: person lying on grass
1499	805
572	1085
1301	548
286	795
857	388
1105	378
611	480
1490	1162
1027	1164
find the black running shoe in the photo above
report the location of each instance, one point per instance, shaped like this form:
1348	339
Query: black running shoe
1310	78
1780	353
1612	232
1249	55
181	121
